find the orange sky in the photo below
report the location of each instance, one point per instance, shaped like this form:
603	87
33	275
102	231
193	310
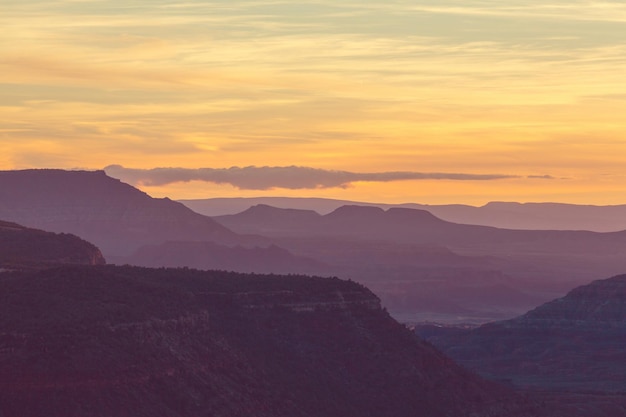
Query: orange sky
523	89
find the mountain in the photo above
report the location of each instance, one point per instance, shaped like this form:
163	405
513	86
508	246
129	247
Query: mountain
346	221
128	341
221	206
574	343
506	215
22	247
575	251
132	227
272	221
424	266
115	216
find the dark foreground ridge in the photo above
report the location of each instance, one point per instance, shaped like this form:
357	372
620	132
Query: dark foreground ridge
129	341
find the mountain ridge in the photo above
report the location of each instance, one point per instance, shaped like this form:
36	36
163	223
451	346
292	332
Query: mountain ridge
501	214
575	343
419	226
180	342
115	216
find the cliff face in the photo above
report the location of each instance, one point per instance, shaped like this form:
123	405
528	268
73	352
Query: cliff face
116	217
22	247
574	343
102	341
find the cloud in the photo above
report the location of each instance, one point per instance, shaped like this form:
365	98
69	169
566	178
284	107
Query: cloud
541	177
290	177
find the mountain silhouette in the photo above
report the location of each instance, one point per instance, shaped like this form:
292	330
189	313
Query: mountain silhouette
505	215
418	262
580	252
115	216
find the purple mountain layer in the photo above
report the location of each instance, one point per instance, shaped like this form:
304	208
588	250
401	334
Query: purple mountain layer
123	341
116	217
507	215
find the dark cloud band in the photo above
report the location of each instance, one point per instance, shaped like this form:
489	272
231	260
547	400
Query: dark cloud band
291	177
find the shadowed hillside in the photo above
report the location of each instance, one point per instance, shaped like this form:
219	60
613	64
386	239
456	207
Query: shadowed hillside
102	341
22	247
574	344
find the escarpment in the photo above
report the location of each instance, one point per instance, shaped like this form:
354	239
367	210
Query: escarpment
129	341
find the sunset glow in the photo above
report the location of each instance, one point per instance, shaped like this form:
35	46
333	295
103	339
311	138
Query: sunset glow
529	90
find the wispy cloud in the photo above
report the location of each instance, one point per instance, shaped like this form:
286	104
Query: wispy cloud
574	11
290	177
371	86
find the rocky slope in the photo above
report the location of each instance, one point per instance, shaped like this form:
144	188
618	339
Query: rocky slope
124	341
574	343
116	217
22	247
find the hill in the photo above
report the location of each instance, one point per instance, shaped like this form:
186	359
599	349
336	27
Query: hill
128	341
22	247
116	217
574	343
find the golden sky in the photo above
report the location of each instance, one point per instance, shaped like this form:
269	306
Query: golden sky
530	92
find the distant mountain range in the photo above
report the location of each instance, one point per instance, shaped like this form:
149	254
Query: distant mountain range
421	266
408	225
580	251
412	258
507	215
104	341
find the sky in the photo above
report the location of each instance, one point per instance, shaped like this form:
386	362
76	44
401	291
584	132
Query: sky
436	101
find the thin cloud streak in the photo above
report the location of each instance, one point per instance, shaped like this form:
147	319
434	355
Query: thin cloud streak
291	177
